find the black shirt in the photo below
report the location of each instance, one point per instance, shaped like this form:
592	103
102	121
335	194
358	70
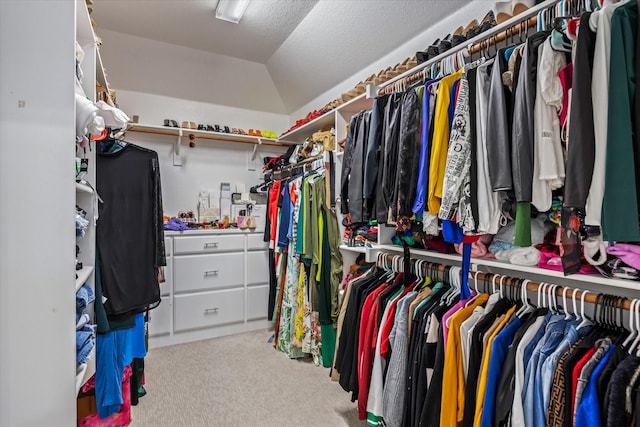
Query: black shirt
130	234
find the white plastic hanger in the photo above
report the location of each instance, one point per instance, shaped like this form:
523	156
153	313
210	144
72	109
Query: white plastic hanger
632	327
523	298
501	286
575	305
543	293
585	320
552	299
567	316
636	315
541	288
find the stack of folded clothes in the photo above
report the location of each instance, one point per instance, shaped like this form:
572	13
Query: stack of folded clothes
361	235
85	332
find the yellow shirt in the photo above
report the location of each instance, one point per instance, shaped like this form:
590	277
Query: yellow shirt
484	370
453	365
440	142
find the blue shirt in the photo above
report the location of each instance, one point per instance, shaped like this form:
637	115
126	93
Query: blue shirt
548	368
588	414
496	359
423	161
532	402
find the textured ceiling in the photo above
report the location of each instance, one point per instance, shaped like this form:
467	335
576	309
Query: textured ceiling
307	46
264	27
334	42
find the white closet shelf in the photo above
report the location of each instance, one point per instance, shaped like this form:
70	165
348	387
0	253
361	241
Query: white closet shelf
83	188
369	253
218	136
347	109
355	105
305	131
522	269
84	31
86	371
83	276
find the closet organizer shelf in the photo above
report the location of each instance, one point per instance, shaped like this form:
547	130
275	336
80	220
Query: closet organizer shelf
83	188
218	136
83	276
522	269
305	131
86	371
370	253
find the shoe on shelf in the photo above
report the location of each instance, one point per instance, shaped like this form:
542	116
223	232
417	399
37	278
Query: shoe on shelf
227	130
202	127
503	11
210	128
185	125
242	132
519	6
217	128
167	122
445	44
193	125
258	133
430	52
235	131
458	37
252	132
472	29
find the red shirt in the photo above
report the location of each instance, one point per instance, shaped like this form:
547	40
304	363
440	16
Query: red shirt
576	374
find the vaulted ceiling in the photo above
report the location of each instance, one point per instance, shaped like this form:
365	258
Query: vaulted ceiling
307	46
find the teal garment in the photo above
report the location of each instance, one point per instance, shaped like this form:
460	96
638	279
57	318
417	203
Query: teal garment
106	325
620	203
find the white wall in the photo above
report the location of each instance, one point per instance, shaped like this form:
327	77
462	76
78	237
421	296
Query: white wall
144	65
210	162
37	195
203	167
476	9
154	108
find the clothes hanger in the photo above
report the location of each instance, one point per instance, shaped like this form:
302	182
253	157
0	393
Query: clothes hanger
501	286
542	295
636	316
565	308
585	320
575	307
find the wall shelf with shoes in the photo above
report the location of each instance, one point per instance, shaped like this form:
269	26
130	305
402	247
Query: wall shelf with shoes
345	111
204	134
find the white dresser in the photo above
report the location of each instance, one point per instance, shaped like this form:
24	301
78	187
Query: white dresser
217	283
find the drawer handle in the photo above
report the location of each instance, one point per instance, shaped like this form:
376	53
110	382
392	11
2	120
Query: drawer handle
211	273
210	310
211	245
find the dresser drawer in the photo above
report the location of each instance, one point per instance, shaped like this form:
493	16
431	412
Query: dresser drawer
255	241
165	288
199	272
257	267
160	323
207	244
208	309
167	246
257	302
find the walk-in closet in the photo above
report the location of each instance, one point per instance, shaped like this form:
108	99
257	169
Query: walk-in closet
400	213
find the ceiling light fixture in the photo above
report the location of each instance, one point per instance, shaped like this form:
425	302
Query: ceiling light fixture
231	10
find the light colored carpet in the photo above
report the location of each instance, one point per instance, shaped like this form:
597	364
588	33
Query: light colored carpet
239	380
